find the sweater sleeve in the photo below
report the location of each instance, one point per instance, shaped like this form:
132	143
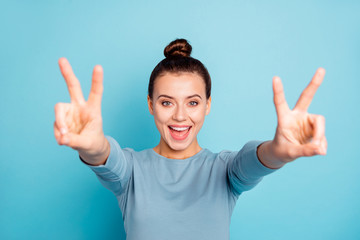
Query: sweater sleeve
115	173
245	170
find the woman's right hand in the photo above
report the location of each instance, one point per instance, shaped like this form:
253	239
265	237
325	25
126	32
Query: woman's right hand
79	124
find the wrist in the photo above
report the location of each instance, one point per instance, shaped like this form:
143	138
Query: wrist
96	157
268	156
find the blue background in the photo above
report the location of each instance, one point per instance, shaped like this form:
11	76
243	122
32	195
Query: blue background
47	193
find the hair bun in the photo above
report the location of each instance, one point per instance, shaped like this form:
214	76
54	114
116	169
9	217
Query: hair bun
178	47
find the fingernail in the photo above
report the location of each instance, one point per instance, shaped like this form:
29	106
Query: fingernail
316	142
324	151
63	130
321	151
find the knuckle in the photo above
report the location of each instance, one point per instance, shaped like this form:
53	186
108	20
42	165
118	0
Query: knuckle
320	118
58	107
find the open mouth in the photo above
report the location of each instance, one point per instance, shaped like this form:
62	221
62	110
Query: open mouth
179	132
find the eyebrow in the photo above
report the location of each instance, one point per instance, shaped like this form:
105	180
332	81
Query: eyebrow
167	96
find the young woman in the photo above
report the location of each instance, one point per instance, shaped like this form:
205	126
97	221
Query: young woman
179	190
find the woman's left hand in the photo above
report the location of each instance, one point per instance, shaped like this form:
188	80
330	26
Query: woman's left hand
298	132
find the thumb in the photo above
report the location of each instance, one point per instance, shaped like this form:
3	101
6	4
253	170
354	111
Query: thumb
75	141
309	149
318	123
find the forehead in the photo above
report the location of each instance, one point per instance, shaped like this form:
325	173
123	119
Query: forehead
179	85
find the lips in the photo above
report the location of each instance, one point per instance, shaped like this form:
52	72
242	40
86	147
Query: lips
179	133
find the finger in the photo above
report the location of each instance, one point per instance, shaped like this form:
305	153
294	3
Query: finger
62	139
96	86
60	116
57	133
311	149
307	95
281	105
72	82
318	123
324	145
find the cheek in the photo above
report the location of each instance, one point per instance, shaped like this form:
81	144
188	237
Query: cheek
161	116
198	115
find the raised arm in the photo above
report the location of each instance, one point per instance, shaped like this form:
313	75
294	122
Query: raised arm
298	132
79	124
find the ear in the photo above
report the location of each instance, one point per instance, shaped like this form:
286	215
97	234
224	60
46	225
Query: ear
150	105
208	105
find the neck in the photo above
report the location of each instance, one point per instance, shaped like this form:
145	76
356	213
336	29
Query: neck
165	150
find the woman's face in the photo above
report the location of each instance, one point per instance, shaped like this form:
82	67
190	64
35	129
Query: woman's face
179	106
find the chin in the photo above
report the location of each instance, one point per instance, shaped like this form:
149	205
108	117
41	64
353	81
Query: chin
179	146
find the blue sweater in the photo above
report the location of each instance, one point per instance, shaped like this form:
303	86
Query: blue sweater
193	198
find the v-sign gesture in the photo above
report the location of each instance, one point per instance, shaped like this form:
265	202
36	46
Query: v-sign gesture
298	133
79	124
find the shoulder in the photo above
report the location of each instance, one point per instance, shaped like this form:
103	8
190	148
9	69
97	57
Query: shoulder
139	155
226	155
223	156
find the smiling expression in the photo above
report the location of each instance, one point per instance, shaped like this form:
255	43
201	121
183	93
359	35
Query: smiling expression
179	106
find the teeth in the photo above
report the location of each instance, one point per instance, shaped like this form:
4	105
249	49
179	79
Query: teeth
179	128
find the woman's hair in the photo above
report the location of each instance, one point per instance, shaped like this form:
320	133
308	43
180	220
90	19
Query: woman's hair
178	60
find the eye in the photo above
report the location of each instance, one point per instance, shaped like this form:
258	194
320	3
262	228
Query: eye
193	103
165	103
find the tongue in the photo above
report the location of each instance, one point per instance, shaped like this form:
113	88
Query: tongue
179	133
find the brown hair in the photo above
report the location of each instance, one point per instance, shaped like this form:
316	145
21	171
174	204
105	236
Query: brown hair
177	60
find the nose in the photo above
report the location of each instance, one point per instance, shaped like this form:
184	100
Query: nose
179	114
